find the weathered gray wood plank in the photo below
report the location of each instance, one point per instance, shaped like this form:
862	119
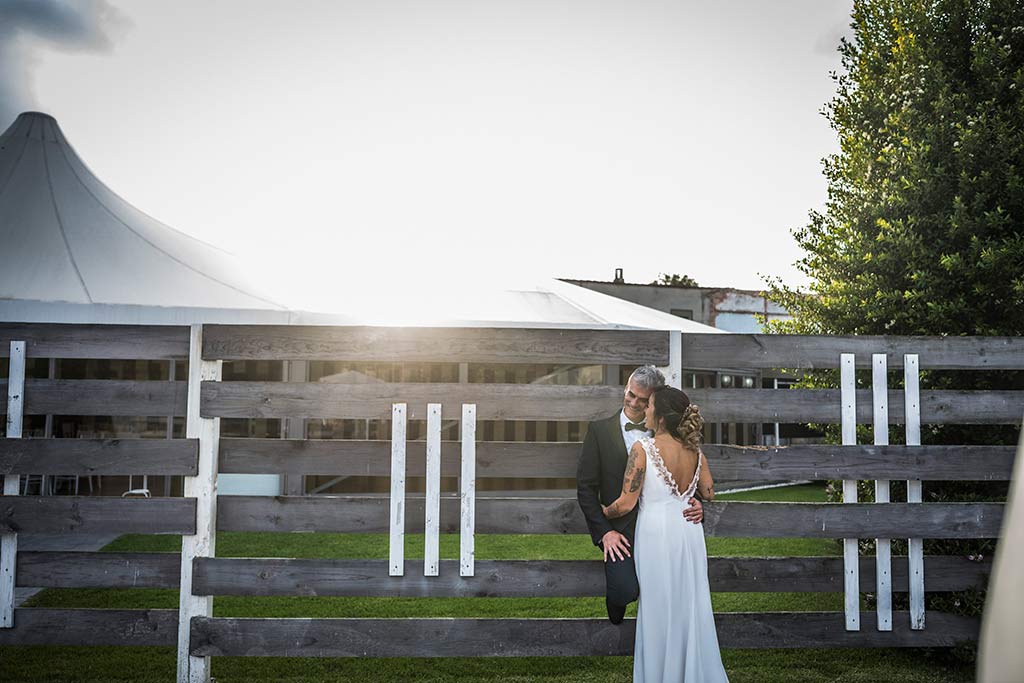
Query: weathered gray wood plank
541	637
66	514
853	520
823	406
559	459
101	397
494	578
126	342
374	401
373	458
99	456
549	402
353	514
50	569
825	574
546	578
828	461
123	627
442	344
822	351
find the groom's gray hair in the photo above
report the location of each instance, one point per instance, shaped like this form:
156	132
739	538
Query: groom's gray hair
648	377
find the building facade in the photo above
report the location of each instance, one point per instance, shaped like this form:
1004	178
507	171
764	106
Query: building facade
726	308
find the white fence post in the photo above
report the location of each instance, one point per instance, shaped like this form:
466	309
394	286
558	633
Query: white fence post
431	542
674	370
851	566
915	546
467	491
396	549
12	482
202	487
883	546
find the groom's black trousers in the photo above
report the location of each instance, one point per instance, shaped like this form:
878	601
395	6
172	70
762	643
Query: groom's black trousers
620	575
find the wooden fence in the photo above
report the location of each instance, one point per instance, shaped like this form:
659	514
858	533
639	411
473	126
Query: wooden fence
199	575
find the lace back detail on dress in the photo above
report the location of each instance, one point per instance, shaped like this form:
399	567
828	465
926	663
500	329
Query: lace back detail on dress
666	476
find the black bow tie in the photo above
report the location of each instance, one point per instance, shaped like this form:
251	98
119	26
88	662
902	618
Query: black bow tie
634	425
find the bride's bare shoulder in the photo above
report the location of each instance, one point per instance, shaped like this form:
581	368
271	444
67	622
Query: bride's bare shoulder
666	444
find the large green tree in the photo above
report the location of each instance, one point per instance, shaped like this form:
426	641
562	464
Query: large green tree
923	230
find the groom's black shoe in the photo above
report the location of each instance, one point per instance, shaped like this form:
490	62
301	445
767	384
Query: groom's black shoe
615	612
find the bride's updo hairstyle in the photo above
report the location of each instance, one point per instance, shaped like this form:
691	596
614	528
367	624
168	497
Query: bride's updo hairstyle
682	418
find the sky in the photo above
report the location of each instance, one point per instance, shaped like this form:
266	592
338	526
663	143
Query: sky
452	141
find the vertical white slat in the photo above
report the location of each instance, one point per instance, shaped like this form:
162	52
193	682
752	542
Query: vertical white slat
431	543
396	552
172	370
44	480
294	427
851	566
883	546
467	491
775	385
202	487
674	370
915	549
12	482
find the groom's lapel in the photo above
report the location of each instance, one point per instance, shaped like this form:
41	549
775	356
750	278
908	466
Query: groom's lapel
620	442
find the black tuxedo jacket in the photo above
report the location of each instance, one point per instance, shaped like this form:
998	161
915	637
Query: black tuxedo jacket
599	474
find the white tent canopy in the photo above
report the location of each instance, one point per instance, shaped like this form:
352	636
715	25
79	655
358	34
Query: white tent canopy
71	250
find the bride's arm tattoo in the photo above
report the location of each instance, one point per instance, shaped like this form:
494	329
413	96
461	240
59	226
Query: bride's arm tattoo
632	480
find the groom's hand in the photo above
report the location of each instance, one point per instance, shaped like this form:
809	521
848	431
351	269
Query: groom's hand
694	513
615	545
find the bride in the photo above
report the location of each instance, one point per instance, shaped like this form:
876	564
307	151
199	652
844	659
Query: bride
676	638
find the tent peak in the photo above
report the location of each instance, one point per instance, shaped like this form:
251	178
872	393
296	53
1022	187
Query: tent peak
34	125
37	113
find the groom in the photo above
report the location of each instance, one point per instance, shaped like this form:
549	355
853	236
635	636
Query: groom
599	476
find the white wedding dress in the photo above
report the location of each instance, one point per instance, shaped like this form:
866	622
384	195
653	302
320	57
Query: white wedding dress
676	638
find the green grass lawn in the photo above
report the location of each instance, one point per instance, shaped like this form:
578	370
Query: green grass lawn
157	664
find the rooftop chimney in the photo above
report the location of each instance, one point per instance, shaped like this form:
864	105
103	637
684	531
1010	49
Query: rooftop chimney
618	276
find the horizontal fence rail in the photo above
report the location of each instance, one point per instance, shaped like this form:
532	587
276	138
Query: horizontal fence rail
823	406
493	578
766	351
374	401
93	627
548	578
559	459
99	456
99	515
451	637
353	514
542	637
559	403
438	344
828	461
114	342
101	397
60	569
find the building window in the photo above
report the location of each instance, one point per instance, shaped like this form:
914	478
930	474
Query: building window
682	312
